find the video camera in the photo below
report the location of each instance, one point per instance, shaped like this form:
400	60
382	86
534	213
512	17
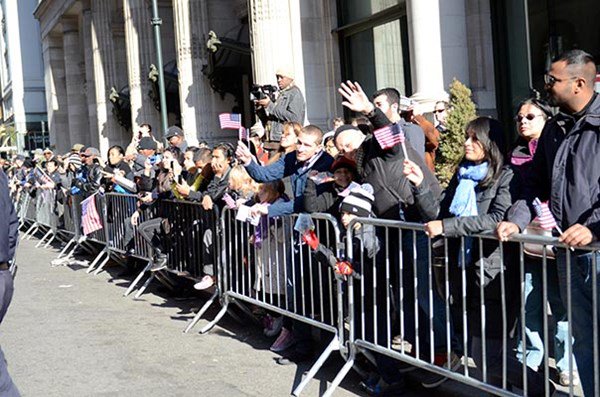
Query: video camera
263	91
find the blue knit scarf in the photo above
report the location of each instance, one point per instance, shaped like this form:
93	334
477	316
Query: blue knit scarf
464	202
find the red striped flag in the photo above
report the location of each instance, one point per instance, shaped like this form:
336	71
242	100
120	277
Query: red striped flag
389	136
544	216
90	219
230	121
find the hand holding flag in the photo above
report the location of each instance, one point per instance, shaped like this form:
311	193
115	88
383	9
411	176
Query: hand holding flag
545	217
389	136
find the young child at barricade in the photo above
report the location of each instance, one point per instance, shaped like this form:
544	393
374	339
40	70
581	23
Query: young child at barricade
367	299
242	188
270	239
338	186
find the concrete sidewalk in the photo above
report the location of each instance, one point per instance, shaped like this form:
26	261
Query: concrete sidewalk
68	333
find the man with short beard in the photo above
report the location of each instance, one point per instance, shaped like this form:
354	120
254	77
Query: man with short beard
566	171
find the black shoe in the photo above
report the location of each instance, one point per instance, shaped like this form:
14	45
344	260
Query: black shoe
160	263
294	357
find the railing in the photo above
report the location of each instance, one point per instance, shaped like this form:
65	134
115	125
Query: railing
456	307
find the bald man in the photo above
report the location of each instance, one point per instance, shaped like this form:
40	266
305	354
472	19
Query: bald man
566	171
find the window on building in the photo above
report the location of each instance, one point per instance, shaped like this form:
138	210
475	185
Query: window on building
374	44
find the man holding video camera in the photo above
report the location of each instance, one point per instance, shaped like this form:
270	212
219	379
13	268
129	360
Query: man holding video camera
289	105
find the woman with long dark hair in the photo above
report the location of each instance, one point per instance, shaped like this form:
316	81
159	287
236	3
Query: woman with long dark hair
475	201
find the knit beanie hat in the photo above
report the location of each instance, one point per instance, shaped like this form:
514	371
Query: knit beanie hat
359	201
75	160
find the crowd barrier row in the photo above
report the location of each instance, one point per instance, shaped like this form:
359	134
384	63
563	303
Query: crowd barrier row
407	299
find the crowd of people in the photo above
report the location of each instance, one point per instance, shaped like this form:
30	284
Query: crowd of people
286	168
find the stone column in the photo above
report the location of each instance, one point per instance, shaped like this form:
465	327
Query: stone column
139	41
425	51
104	74
90	87
56	91
276	39
455	48
75	81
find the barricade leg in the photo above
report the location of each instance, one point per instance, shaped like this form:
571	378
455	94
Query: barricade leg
66	247
37	227
30	230
218	317
50	240
43	238
103	263
201	312
96	260
333	345
342	374
146	284
137	279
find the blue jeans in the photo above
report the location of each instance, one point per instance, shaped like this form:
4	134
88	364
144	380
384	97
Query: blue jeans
582	310
535	312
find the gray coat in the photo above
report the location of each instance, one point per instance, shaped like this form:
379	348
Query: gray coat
289	106
566	170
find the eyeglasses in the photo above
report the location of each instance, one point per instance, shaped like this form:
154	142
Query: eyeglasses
551	80
439	110
530	117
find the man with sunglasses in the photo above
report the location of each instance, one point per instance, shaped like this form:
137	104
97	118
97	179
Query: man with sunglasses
91	176
289	105
566	171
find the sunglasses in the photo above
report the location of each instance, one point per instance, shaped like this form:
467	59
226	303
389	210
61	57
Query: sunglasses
439	110
530	117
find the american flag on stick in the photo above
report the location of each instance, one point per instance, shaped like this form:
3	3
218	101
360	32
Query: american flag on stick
230	121
545	217
90	219
389	136
243	134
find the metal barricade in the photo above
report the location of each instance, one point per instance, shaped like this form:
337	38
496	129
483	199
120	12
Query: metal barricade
269	266
47	217
118	210
463	297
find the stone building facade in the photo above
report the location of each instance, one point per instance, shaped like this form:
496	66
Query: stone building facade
100	61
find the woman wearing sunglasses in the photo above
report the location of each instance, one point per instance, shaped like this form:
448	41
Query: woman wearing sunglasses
531	119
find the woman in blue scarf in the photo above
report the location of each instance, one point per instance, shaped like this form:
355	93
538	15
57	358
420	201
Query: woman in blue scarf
475	201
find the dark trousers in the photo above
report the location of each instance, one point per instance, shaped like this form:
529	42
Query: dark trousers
7	387
150	231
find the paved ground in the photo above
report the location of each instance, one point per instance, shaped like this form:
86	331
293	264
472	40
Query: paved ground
69	333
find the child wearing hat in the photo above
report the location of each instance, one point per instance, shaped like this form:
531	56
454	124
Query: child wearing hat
335	188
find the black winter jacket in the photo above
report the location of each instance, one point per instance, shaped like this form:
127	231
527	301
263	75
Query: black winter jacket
395	196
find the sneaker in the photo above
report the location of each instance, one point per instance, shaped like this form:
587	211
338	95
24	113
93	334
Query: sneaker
160	263
432	380
205	283
284	341
565	379
274	326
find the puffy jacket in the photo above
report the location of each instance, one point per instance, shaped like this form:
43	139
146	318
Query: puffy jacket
566	171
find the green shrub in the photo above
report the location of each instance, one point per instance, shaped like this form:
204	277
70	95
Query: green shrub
451	151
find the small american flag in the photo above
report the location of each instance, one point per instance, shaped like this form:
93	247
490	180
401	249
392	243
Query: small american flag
243	134
389	136
545	217
90	219
230	121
